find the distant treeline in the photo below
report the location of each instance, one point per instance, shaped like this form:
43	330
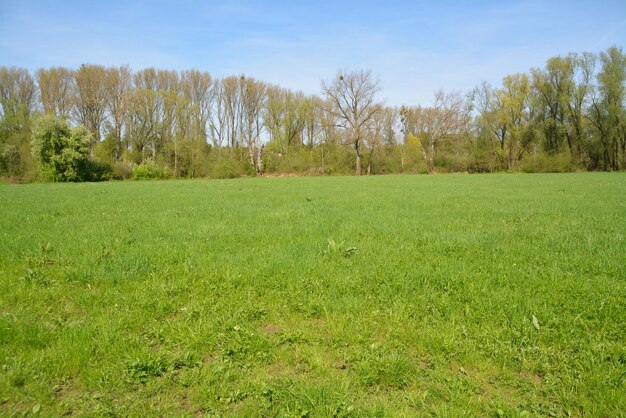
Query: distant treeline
569	115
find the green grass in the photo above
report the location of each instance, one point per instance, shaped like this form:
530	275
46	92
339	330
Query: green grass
345	296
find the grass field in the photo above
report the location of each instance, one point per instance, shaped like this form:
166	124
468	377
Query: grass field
452	295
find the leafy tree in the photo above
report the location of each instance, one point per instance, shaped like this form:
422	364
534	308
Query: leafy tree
607	113
17	101
62	151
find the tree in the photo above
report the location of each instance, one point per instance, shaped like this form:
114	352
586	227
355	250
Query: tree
607	113
554	86
253	96
90	103
583	83
116	95
62	151
447	119
17	93
375	134
312	119
505	114
231	99
273	114
57	90
17	102
217	115
144	115
350	98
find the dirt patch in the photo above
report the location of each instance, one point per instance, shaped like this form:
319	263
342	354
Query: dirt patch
425	364
271	329
280	369
209	358
534	378
187	406
341	365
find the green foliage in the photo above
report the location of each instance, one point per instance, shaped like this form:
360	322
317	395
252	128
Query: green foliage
573	106
297	160
16	160
226	165
9	160
62	151
122	170
149	171
544	162
106	150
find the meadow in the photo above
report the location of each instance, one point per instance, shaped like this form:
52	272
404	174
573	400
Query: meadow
404	295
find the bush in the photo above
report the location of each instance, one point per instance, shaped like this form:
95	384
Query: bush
542	162
226	169
62	151
149	171
97	171
122	170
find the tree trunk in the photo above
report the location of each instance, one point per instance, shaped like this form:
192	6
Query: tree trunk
118	145
175	159
425	155
259	160
358	158
431	157
251	156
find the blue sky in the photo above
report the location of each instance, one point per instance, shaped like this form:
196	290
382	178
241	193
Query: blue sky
414	47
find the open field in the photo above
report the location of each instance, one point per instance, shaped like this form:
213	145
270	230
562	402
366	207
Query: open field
453	295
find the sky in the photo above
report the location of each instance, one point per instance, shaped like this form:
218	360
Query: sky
412	47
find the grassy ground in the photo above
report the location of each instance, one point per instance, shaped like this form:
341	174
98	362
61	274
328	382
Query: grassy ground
452	295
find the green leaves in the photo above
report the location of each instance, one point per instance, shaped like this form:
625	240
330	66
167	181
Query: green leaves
62	151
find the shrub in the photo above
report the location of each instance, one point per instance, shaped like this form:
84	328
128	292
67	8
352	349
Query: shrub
149	171
98	171
62	151
226	167
542	162
122	170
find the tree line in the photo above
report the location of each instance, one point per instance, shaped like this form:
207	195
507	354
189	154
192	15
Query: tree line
115	123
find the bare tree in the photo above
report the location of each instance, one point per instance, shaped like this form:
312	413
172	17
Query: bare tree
217	115
253	96
116	91
232	109
375	133
170	118
56	88
350	98
312	119
197	88
144	112
293	121
446	119
90	101
274	113
17	92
